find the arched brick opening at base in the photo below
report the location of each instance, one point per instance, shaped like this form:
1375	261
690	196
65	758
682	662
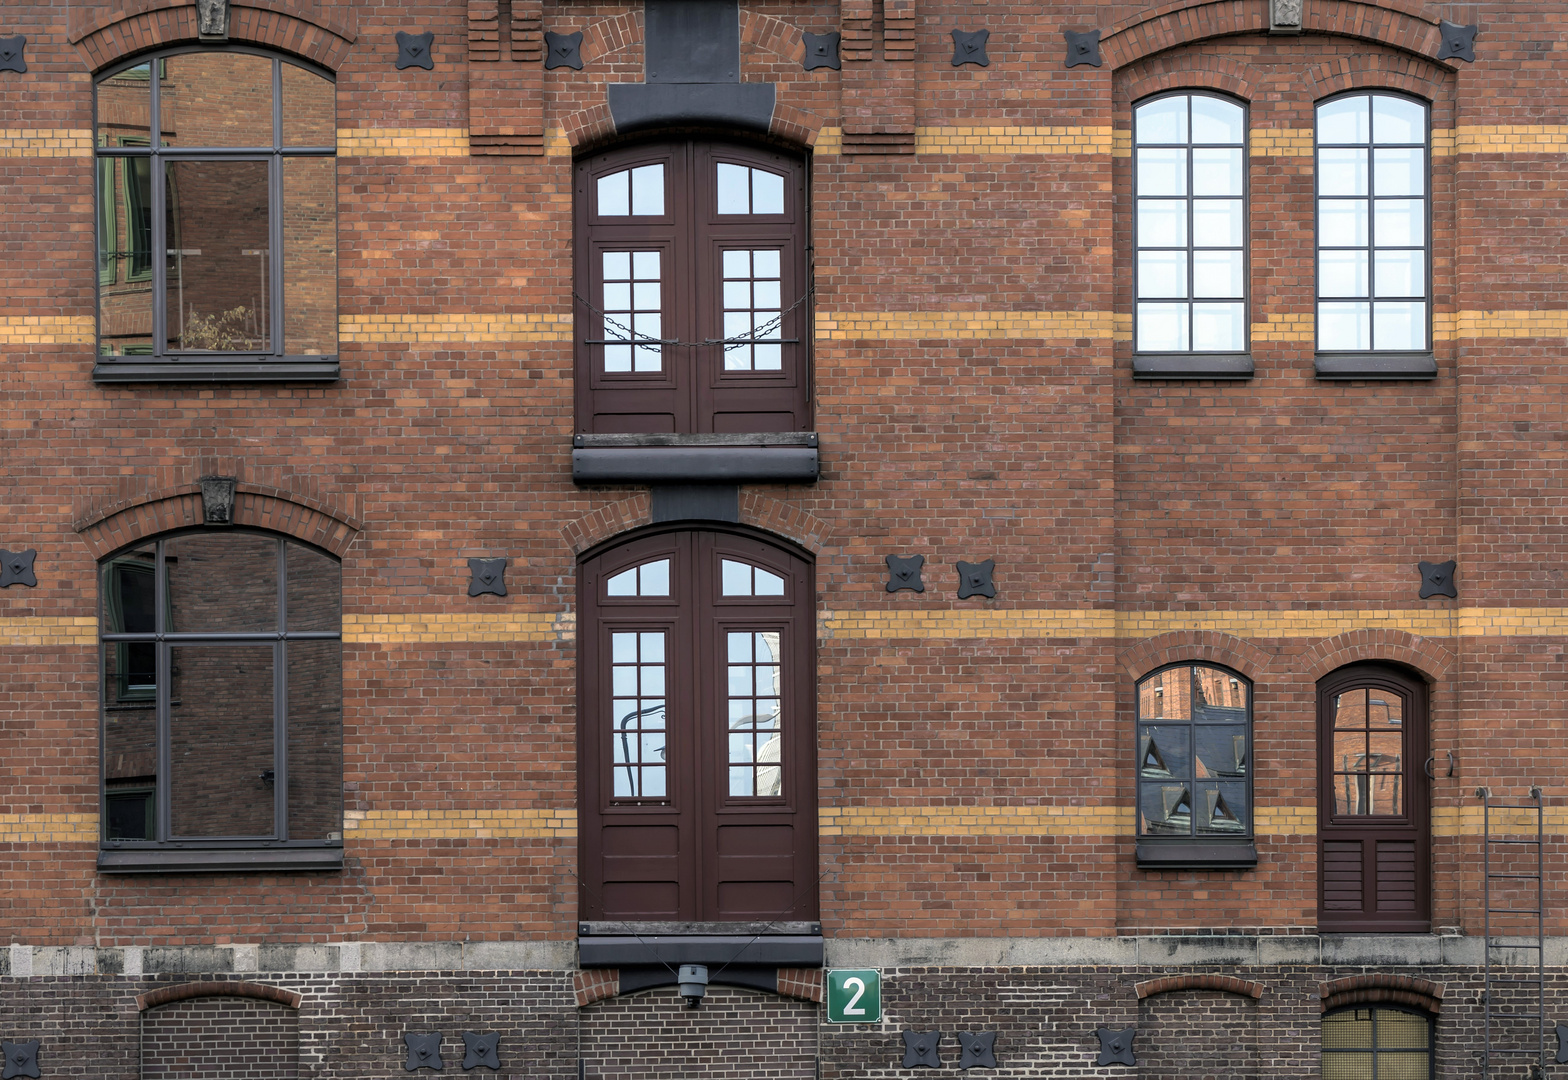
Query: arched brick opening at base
1213	1033
188	1031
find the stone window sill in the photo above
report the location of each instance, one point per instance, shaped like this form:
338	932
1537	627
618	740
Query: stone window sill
779	458
623	945
211	860
1222	854
137	369
1192	366
1384	366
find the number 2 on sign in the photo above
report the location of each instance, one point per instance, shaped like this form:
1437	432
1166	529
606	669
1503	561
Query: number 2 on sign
860	992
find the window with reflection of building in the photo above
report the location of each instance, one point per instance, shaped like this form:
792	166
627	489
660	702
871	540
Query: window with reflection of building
1194	753
222	693
238	192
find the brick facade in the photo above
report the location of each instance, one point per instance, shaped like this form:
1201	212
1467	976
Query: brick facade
973	392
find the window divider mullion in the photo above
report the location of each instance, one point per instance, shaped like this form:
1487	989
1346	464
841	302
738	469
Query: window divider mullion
280	705
157	240
275	260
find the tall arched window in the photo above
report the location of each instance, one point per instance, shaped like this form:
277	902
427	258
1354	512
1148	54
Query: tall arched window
217	239
222	664
696	733
1194	768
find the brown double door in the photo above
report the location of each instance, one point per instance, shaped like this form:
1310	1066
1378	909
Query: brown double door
1374	856
696	739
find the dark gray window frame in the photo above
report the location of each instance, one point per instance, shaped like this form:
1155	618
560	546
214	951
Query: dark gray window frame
1196	364
1165	852
1372	364
1376	1007
194	366
168	855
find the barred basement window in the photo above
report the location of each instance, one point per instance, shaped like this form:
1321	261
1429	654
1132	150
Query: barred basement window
222	705
1194	768
217	240
1377	1043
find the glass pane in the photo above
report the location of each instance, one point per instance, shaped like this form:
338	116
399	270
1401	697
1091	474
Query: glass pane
1216	171
1216	121
638	734
1347	120
1399	326
1348	1030
1223	810
741	781
1350	709
1344	327
1343	222
216	99
1162	327
130	746
1162	172
631	309
315	589
1218	274
126	584
754	713
751	308
1164	809
767	192
1397	120
1162	223
1385	751
622	584
310	256
654	578
1350	750
1401	1030
1402	1066
648	190
1162	121
1400	171
1219	327
768	584
1384	710
222	581
1163	751
1217	223
1343	172
1162	273
737	578
1351	795
218	274
315	740
1166	695
1400	222
1221	695
1222	750
1348	1066
1342	273
222	767
734	193
615	194
125	108
309	115
125	290
1400	273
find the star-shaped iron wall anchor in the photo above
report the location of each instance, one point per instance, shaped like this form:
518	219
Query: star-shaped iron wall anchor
16	568
424	1051
1083	48
904	573
821	51
920	1049
489	576
413	50
969	47
1458	41
978	1049
1115	1046
1437	579
563	50
21	1058
974	579
11	58
1562	1043
481	1050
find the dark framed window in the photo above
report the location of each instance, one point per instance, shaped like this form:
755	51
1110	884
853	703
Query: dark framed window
1194	768
1377	1042
1190	233
697	731
222	704
1374	292
217	240
691	291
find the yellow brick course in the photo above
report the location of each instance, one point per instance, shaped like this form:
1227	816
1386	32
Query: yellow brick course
1285	326
1508	139
1468	820
436	628
556	144
514	823
474	327
48	330
403	142
1012	141
47	631
1512	324
901	325
975	820
48	828
830	140
46	142
1280	142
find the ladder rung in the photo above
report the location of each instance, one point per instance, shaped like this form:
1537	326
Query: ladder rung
1490	840
1513	911
1498	943
1513	877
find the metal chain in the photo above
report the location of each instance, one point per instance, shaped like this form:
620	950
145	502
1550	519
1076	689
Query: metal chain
763	331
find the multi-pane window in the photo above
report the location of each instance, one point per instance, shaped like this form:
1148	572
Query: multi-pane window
1373	243
754	694
222	702
1189	168
691	291
1377	1043
1194	754
637	714
217	239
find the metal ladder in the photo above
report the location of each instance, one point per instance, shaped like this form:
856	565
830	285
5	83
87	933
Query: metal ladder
1504	993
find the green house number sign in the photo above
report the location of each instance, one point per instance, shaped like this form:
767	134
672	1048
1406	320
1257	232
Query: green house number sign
854	997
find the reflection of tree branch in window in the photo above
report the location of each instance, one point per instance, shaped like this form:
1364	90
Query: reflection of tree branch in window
633	771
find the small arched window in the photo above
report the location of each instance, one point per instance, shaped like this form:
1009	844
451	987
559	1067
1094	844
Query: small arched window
217	218
1378	1042
222	664
1194	768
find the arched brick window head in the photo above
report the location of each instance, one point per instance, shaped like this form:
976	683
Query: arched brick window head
696	731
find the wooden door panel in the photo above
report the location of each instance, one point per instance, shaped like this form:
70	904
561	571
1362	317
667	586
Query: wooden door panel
1343	878
1395	870
750	900
642	900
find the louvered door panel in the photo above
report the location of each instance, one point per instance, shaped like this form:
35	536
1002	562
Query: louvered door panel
1343	885
1395	867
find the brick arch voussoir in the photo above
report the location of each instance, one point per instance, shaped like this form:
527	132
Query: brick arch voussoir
631	511
635	511
773	34
784	519
1381	990
1169	984
255	505
1432	659
1227	650
1387	71
1206	72
139	25
168	995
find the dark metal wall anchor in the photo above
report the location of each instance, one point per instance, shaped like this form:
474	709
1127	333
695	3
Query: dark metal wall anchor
563	50
1116	1046
21	1058
920	1050
481	1050
904	573
821	51
424	1051
413	50
12	57
16	568
488	576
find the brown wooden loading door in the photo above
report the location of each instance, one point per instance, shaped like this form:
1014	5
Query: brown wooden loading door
1374	856
697	740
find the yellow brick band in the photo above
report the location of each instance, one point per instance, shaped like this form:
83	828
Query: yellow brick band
963	325
1285	326
1468	820
403	142
830	140
48	828
1012	141
450	327
437	628
520	823
1508	139
556	144
1285	821
47	330
1280	142
43	631
1511	324
975	820
45	142
968	624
